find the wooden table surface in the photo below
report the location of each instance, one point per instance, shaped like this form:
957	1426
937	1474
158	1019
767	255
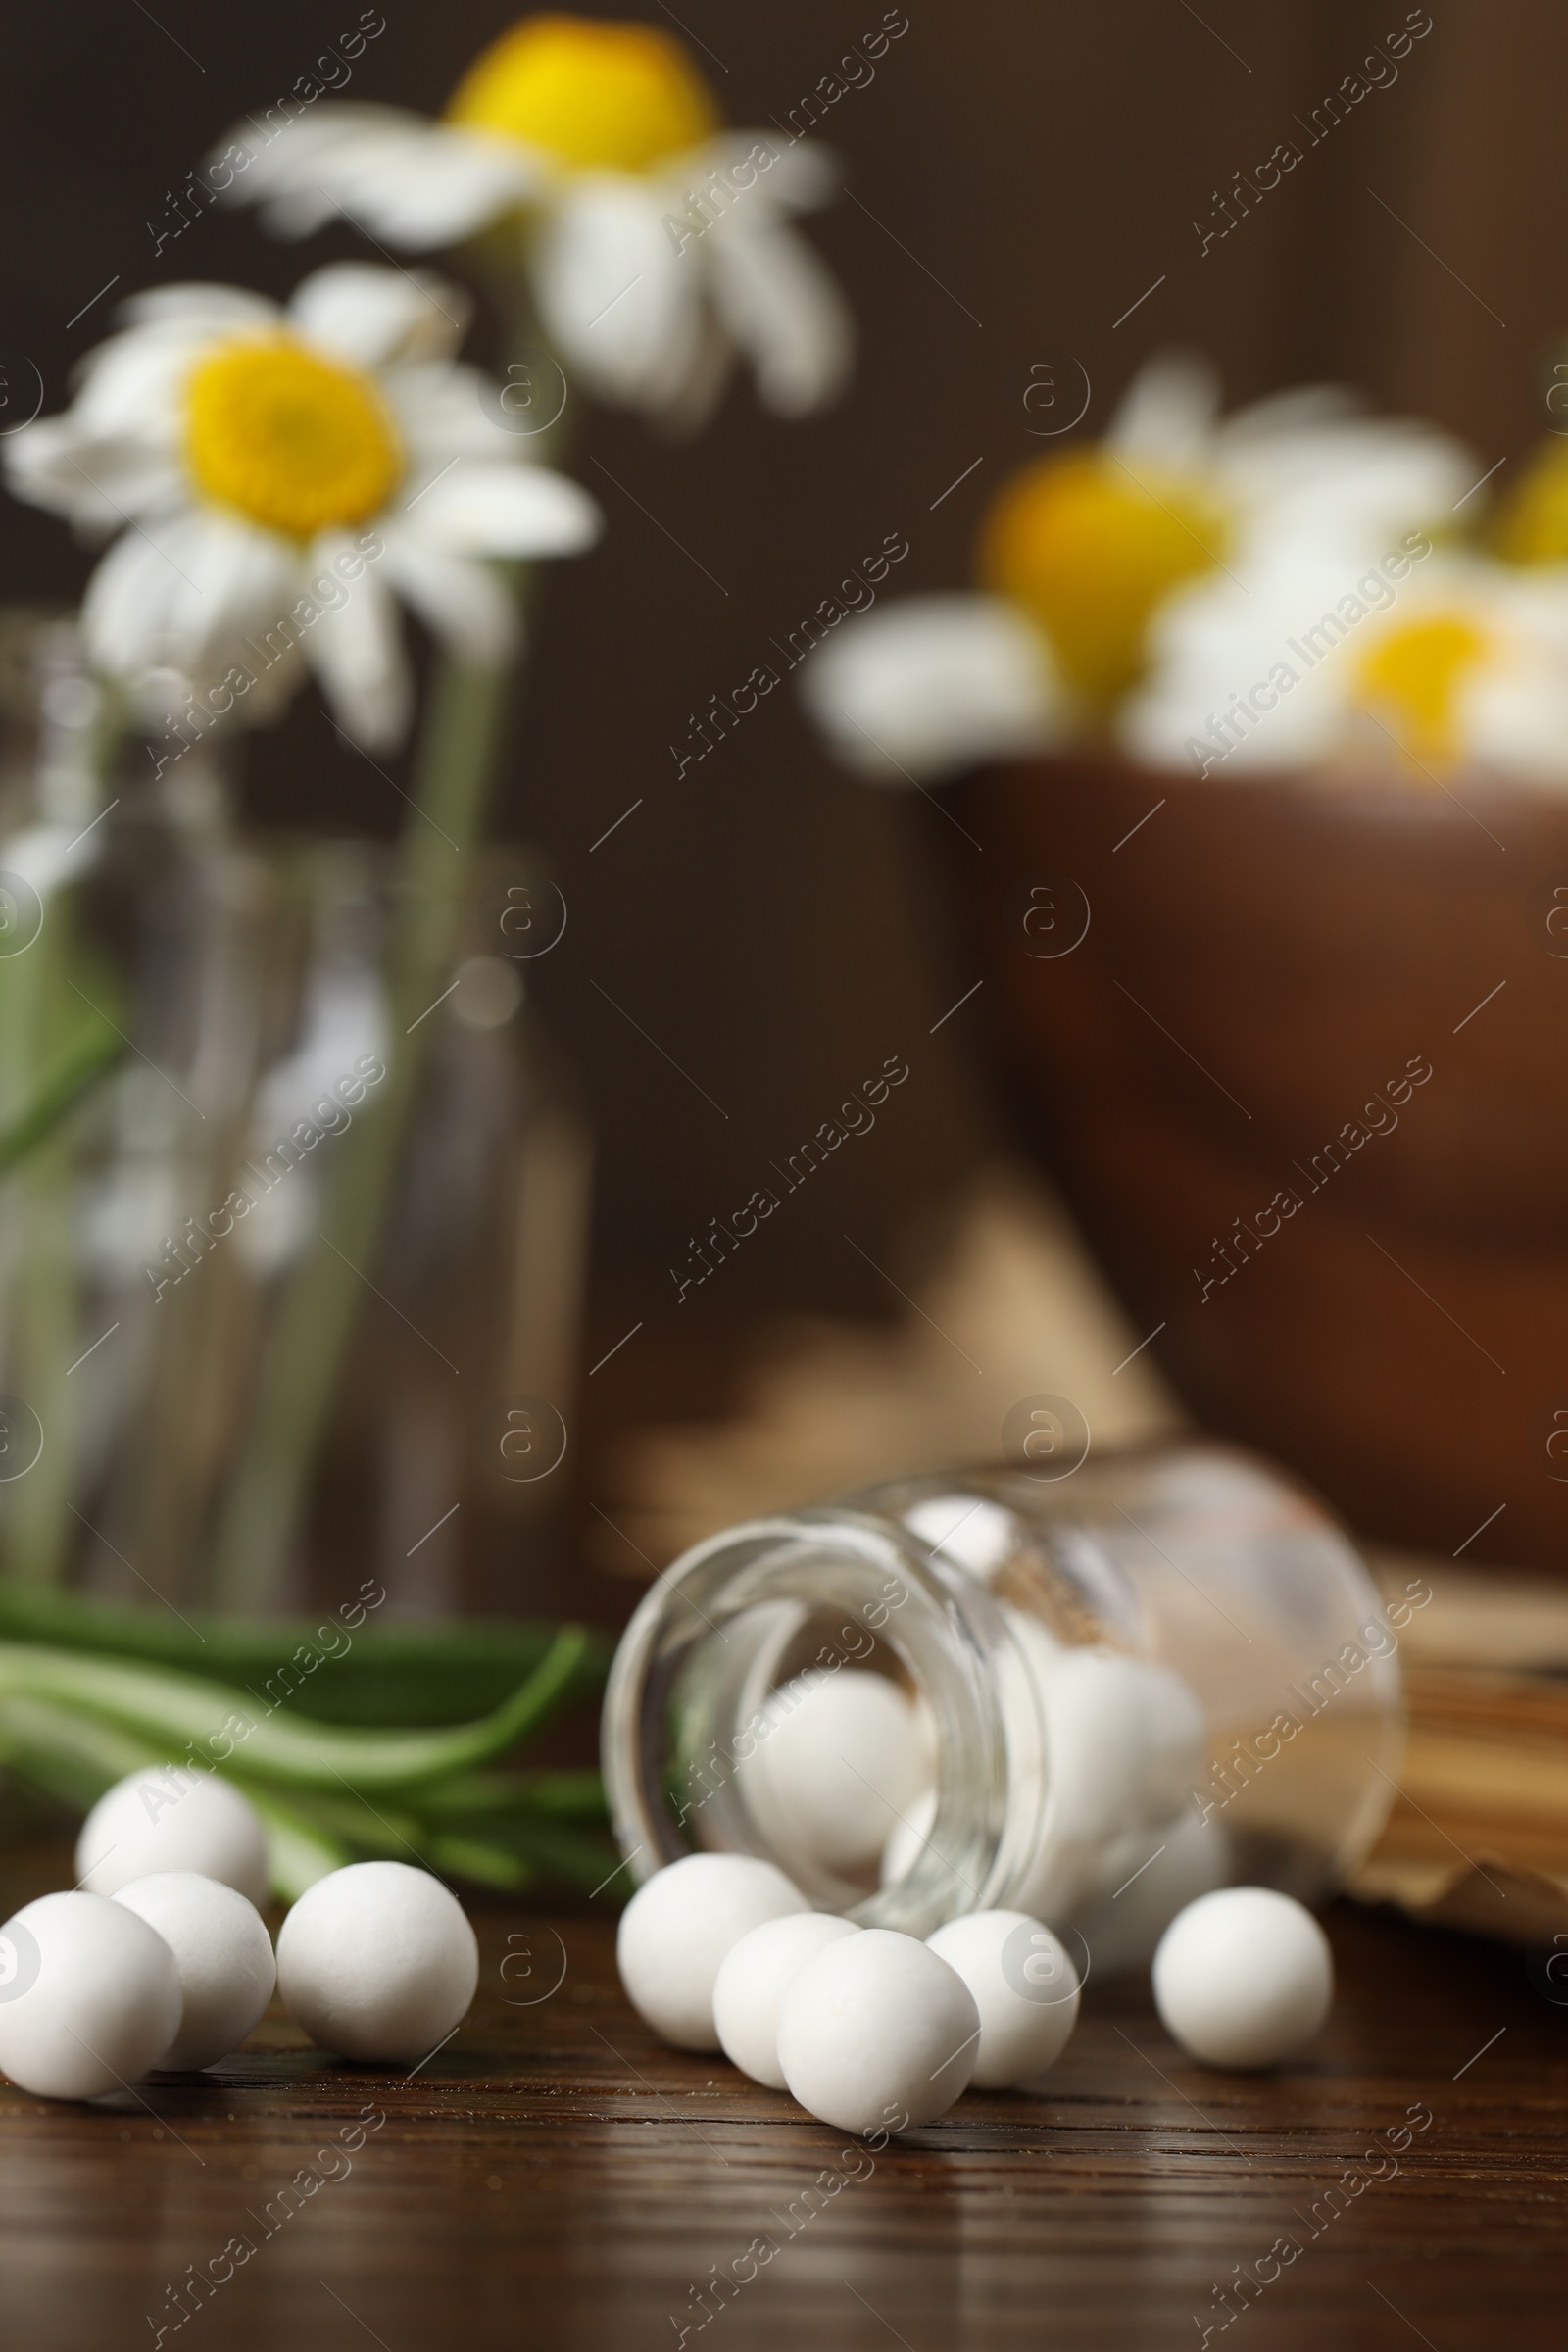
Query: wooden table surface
556	2178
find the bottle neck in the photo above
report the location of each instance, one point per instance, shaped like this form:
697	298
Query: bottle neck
702	1679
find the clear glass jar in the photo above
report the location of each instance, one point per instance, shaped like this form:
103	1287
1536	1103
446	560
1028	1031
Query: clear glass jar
1160	1673
159	1209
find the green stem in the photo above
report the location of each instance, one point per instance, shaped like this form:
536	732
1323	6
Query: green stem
73	1073
325	1290
187	1719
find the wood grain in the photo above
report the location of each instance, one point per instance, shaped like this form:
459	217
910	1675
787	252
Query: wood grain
557	2178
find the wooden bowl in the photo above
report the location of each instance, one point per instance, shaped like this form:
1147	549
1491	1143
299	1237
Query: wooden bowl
1216	999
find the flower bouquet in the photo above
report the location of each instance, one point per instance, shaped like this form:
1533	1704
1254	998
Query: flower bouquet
244	1083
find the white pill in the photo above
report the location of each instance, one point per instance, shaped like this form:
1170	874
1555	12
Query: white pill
1025	1988
224	1958
679	1928
837	1760
377	1962
978	1535
89	1997
752	1980
877	2034
1243	1977
1145	1878
173	1817
1098	1759
909	1838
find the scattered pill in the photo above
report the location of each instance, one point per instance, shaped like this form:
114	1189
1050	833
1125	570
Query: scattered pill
377	1962
755	1974
877	2034
837	1760
1025	1986
173	1817
223	1955
89	1997
1243	1977
679	1928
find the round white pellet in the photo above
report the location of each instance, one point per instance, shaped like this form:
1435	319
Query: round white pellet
755	1974
1025	1986
877	2034
224	1958
679	1928
171	1817
1145	1878
1243	1977
842	1757
377	1962
89	1997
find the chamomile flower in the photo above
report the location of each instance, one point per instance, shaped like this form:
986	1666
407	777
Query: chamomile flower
1088	546
656	242
279	477
934	684
1419	664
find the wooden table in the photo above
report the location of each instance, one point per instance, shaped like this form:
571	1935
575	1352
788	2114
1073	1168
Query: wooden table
555	2178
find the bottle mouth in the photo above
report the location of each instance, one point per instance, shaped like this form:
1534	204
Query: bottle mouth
741	1652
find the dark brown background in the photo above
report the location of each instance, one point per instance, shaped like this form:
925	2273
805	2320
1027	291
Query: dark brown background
1021	175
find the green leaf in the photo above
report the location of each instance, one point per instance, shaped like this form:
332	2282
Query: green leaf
210	1722
58	1091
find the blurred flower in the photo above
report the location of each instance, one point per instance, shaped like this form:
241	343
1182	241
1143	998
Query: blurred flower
654	240
1091	542
1461	661
276	475
1084	551
1532	527
933	684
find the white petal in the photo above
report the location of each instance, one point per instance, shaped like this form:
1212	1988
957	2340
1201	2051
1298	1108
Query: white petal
124	612
614	294
186	592
508	511
1167	414
356	650
931	686
134	383
783	310
216	308
446	410
1376	478
796	176
362	312
390	174
1518	722
99	485
1304	408
460	600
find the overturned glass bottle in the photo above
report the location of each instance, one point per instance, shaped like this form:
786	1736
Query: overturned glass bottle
1089	1697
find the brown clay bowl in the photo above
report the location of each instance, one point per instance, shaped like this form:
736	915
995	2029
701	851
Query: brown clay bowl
1264	966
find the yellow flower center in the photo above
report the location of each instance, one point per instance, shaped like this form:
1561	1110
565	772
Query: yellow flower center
1089	547
595	96
292	441
1412	679
1532	527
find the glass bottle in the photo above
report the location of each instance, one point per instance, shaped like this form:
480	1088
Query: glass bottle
1129	1680
193	1018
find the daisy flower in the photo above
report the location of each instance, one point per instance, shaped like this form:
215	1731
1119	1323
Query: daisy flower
279	477
932	685
655	241
1087	546
1421	662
